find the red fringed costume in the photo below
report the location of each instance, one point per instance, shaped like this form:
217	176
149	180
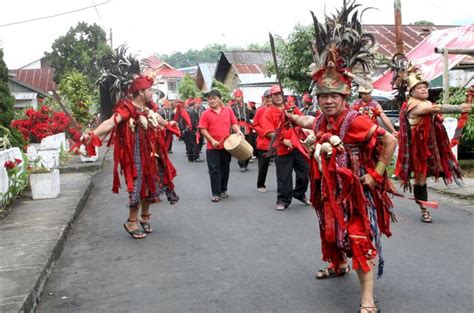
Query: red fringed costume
424	148
351	216
139	150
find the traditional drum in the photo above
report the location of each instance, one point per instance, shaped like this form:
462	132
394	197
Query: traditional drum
238	147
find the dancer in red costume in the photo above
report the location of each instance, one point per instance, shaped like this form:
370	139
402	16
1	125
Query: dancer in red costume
349	185
371	108
139	149
424	146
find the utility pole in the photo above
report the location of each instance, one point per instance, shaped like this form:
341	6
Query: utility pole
110	35
397	5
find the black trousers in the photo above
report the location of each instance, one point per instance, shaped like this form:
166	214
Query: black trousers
192	148
263	164
218	163
285	165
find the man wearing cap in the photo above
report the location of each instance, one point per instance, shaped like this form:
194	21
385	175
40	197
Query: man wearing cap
262	141
291	155
244	113
424	146
192	146
215	125
308	107
371	108
135	140
168	115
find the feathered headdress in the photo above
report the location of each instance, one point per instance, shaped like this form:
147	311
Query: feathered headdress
405	76
342	52
118	72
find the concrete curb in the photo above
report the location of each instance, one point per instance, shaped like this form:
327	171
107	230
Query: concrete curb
34	294
452	194
32	299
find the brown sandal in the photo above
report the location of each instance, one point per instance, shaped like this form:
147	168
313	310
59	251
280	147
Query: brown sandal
425	216
330	272
146	225
136	233
369	309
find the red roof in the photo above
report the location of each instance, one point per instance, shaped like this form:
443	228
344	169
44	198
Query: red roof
154	62
38	78
169	72
412	36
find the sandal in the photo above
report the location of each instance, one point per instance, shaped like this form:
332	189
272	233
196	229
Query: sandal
146	225
330	272
224	195
425	216
136	233
369	309
215	199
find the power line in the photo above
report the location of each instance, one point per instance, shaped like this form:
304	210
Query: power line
55	15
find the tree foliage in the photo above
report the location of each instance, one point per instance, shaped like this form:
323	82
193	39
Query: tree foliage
187	88
7	103
223	89
75	91
294	57
79	49
193	57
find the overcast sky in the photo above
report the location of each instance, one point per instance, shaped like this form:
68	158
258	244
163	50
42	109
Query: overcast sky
176	25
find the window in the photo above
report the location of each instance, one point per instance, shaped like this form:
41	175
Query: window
171	86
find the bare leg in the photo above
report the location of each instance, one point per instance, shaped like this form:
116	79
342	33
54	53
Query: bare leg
367	290
145	216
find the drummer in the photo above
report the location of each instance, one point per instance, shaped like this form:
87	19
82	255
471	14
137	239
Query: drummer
215	124
291	155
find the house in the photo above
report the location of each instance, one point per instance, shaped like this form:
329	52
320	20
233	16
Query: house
167	78
31	83
431	64
26	96
205	76
245	69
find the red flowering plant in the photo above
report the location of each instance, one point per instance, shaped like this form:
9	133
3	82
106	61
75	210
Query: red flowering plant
38	124
17	181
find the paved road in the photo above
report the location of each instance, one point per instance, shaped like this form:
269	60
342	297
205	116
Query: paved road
240	255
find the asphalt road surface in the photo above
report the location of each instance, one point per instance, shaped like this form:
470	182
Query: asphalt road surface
241	255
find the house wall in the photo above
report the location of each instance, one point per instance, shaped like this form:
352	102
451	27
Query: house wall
232	79
169	86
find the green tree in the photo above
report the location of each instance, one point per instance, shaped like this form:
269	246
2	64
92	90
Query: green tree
422	23
80	49
192	57
223	89
75	91
294	57
187	88
7	103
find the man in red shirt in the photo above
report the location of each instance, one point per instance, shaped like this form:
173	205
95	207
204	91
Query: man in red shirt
262	141
290	153
215	125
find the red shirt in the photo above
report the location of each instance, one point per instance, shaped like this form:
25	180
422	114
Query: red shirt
262	141
271	121
218	124
357	132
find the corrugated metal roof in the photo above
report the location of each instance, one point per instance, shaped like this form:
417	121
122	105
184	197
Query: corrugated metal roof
207	71
248	57
39	78
412	36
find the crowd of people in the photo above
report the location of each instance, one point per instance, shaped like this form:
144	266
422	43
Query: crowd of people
336	148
